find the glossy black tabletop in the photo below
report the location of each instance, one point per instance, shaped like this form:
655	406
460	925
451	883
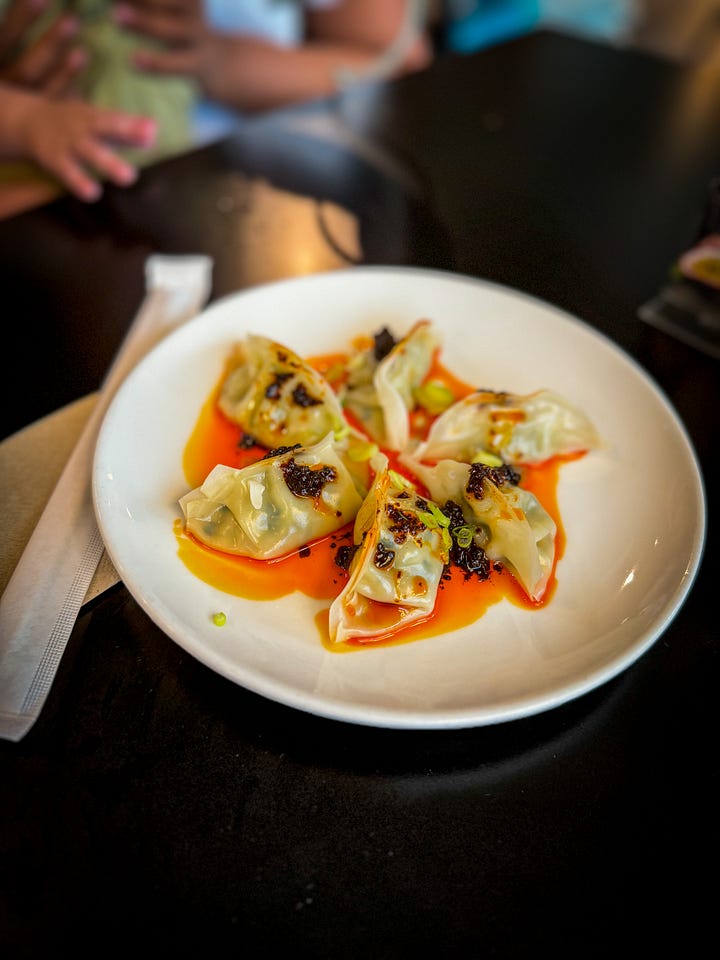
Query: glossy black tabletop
156	804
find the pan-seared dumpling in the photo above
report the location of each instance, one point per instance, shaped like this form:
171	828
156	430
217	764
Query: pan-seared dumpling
397	565
508	522
276	505
379	390
519	429
276	397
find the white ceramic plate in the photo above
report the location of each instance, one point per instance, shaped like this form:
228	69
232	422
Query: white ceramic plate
634	513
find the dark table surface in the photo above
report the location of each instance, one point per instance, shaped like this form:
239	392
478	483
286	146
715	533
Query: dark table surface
157	805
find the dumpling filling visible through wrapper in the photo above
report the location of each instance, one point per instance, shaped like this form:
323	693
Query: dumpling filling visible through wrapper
257	511
512	525
276	397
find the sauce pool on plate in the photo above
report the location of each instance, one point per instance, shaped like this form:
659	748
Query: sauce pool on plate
313	569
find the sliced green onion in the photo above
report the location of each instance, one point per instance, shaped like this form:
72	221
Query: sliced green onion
446	539
434	397
398	480
433	517
489	459
361	451
435	510
428	519
463	536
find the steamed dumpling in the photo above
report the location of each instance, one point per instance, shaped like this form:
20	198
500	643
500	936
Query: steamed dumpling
396	569
518	429
276	505
380	388
508	522
276	397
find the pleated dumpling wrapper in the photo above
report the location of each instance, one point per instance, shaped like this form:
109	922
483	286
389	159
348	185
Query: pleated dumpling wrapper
400	554
276	397
274	506
526	429
506	521
380	388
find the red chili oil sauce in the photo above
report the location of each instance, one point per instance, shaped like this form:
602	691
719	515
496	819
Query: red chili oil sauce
312	569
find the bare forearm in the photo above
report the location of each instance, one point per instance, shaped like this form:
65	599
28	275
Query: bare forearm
254	75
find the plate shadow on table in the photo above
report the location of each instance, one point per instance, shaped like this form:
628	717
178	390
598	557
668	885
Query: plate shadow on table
135	706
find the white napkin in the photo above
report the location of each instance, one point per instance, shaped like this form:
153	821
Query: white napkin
41	601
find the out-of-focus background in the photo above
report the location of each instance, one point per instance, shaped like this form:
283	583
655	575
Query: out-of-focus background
682	30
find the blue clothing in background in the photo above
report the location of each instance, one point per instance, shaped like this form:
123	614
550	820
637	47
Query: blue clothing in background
474	24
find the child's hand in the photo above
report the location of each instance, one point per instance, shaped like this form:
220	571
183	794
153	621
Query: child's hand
74	141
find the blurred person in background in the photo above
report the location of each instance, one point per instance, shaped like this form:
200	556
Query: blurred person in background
253	55
139	80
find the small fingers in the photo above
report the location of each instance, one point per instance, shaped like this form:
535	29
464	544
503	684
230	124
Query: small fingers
77	169
73	175
125	128
103	159
171	26
78	144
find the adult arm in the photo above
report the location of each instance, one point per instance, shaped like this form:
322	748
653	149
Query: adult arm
49	61
252	74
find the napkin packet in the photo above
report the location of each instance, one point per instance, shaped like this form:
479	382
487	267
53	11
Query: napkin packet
688	305
41	601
